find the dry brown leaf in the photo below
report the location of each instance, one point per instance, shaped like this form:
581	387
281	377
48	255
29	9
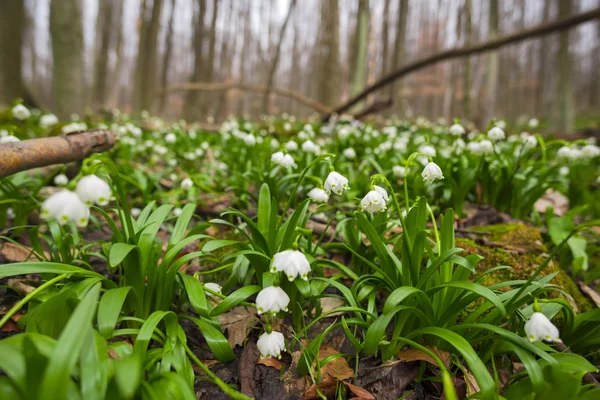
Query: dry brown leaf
337	368
271	362
238	322
21	286
327	387
331	303
17	253
359	392
552	198
595	296
418	355
472	385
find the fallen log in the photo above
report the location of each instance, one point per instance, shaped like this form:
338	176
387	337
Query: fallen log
27	154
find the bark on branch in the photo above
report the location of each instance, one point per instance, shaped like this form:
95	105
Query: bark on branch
214	87
21	156
539	30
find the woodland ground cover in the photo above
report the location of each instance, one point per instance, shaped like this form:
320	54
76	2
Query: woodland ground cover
294	258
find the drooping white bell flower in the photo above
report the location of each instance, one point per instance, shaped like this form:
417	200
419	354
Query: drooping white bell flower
373	202
9	139
382	192
310	147
135	212
291	146
285	160
457	130
564	171
177	211
215	287
21	112
336	183
590	151
428	150
540	328
318	195
92	189
350	153
187	184
501	124
48	120
529	142
64	206
496	133
249	139
292	262
533	123
398	171
271	344
271	300
61	180
431	172
170	138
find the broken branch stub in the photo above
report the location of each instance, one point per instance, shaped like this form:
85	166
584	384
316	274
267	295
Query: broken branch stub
27	154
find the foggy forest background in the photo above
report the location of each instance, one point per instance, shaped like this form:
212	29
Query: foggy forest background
71	55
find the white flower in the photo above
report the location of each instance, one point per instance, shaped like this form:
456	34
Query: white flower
310	147
177	211
291	146
481	148
533	123
135	212
564	171
335	183
428	150
64	206
292	263
250	140
350	153
274	143
318	195
3	133
9	139
215	287
495	134
382	192
10	213
20	112
590	151
398	171
567	153
287	126
61	180
501	124
457	130
92	189
170	138
540	328
285	160
189	155
73	127
431	172
160	150
373	202
187	184
530	142
271	300
271	344
48	120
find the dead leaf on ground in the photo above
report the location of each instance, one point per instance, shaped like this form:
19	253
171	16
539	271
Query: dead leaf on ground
331	303
418	355
552	198
359	392
17	253
472	385
337	368
237	322
389	380
592	294
271	362
327	387
22	286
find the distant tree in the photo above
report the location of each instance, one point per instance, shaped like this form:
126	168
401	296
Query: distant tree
399	55
492	65
359	65
145	79
192	100
328	90
167	55
12	26
543	61
104	29
68	83
467	107
564	115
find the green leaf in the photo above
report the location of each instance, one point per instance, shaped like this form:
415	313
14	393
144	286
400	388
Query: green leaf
234	299
68	347
118	252
25	268
217	244
110	308
264	209
215	339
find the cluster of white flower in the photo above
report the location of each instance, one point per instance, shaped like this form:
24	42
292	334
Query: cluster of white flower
21	112
65	205
375	200
284	160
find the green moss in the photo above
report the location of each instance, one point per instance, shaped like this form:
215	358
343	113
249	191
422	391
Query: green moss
520	247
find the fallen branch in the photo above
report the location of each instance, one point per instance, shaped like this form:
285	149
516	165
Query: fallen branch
374	108
539	30
27	154
215	87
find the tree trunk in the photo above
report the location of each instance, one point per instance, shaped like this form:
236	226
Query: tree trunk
273	69
116	80
147	60
167	56
329	58
467	111
565	121
399	53
193	98
103	29
210	63
359	66
385	51
68	83
492	64
12	26
543	61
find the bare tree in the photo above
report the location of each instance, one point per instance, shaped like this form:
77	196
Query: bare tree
66	29
103	32
399	54
564	115
328	53
12	26
167	55
359	66
193	98
467	112
492	64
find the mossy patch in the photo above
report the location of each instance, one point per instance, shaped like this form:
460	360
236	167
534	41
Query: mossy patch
520	247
